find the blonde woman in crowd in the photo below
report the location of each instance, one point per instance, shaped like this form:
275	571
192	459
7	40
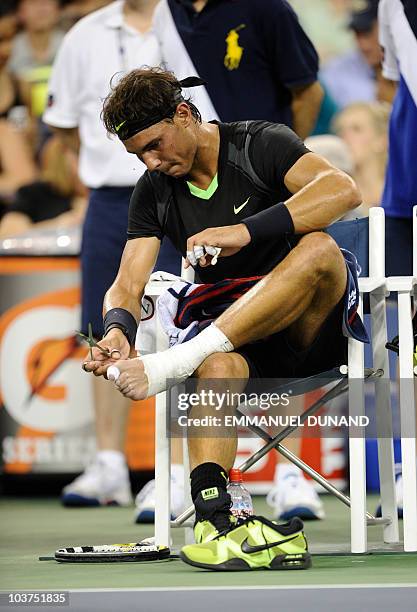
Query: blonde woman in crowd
364	128
57	200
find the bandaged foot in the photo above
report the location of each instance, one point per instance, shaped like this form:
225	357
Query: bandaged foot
148	375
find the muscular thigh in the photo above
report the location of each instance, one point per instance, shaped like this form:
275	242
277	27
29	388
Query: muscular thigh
276	357
329	290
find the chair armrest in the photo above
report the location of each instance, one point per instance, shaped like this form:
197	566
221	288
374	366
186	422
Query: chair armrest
401	283
368	284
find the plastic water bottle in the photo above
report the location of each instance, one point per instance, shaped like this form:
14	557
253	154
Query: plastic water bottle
242	506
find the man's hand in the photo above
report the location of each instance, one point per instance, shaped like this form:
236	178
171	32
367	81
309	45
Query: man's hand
115	342
230	239
132	380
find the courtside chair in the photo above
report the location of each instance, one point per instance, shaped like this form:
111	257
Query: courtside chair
405	287
366	238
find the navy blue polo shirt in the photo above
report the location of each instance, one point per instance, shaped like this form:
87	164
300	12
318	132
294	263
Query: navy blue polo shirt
398	36
251	53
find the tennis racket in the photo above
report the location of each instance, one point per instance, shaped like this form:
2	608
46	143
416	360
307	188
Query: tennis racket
112	553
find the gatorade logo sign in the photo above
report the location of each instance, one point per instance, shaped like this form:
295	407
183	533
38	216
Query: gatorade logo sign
42	385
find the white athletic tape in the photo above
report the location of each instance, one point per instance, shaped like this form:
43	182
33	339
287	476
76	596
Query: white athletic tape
113	373
179	362
199	251
191	258
214	252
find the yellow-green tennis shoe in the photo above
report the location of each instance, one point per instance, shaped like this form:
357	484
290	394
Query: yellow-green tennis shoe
257	543
213	515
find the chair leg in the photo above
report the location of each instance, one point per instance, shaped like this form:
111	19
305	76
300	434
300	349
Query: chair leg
162	459
189	532
162	474
408	421
384	417
357	471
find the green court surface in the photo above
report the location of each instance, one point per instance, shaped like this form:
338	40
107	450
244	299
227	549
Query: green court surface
37	527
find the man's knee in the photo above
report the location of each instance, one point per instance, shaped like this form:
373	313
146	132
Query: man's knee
223	365
323	254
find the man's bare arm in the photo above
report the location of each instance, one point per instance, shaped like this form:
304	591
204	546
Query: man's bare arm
305	105
385	88
138	260
69	137
322	193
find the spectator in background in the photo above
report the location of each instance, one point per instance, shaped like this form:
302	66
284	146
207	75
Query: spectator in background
8	28
16	163
57	200
355	76
398	38
74	10
33	52
258	63
256	59
107	43
325	23
364	128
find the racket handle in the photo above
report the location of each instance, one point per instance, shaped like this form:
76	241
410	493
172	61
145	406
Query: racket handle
113	373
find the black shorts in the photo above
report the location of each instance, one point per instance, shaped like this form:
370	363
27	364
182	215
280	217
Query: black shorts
274	357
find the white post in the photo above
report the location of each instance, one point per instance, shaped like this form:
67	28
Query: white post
357	474
162	457
383	414
408	421
376	242
382	385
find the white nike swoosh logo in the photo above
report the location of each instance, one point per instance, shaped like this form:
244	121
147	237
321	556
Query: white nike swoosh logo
239	208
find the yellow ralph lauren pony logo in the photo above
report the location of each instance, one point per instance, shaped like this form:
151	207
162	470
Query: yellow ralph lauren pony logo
234	50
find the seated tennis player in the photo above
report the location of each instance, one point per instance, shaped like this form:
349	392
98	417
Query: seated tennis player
253	190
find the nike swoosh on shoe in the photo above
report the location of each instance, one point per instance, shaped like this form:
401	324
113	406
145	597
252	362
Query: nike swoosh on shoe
248	548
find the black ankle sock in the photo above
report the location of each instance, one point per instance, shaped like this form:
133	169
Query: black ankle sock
205	476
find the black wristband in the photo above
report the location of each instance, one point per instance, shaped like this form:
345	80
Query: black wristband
270	224
123	320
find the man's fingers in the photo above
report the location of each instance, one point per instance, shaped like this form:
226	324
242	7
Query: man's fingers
198	251
198	255
194	254
211	250
98	368
97	355
191	258
214	252
91	366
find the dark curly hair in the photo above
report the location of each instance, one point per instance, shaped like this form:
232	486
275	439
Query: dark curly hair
143	93
7	7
